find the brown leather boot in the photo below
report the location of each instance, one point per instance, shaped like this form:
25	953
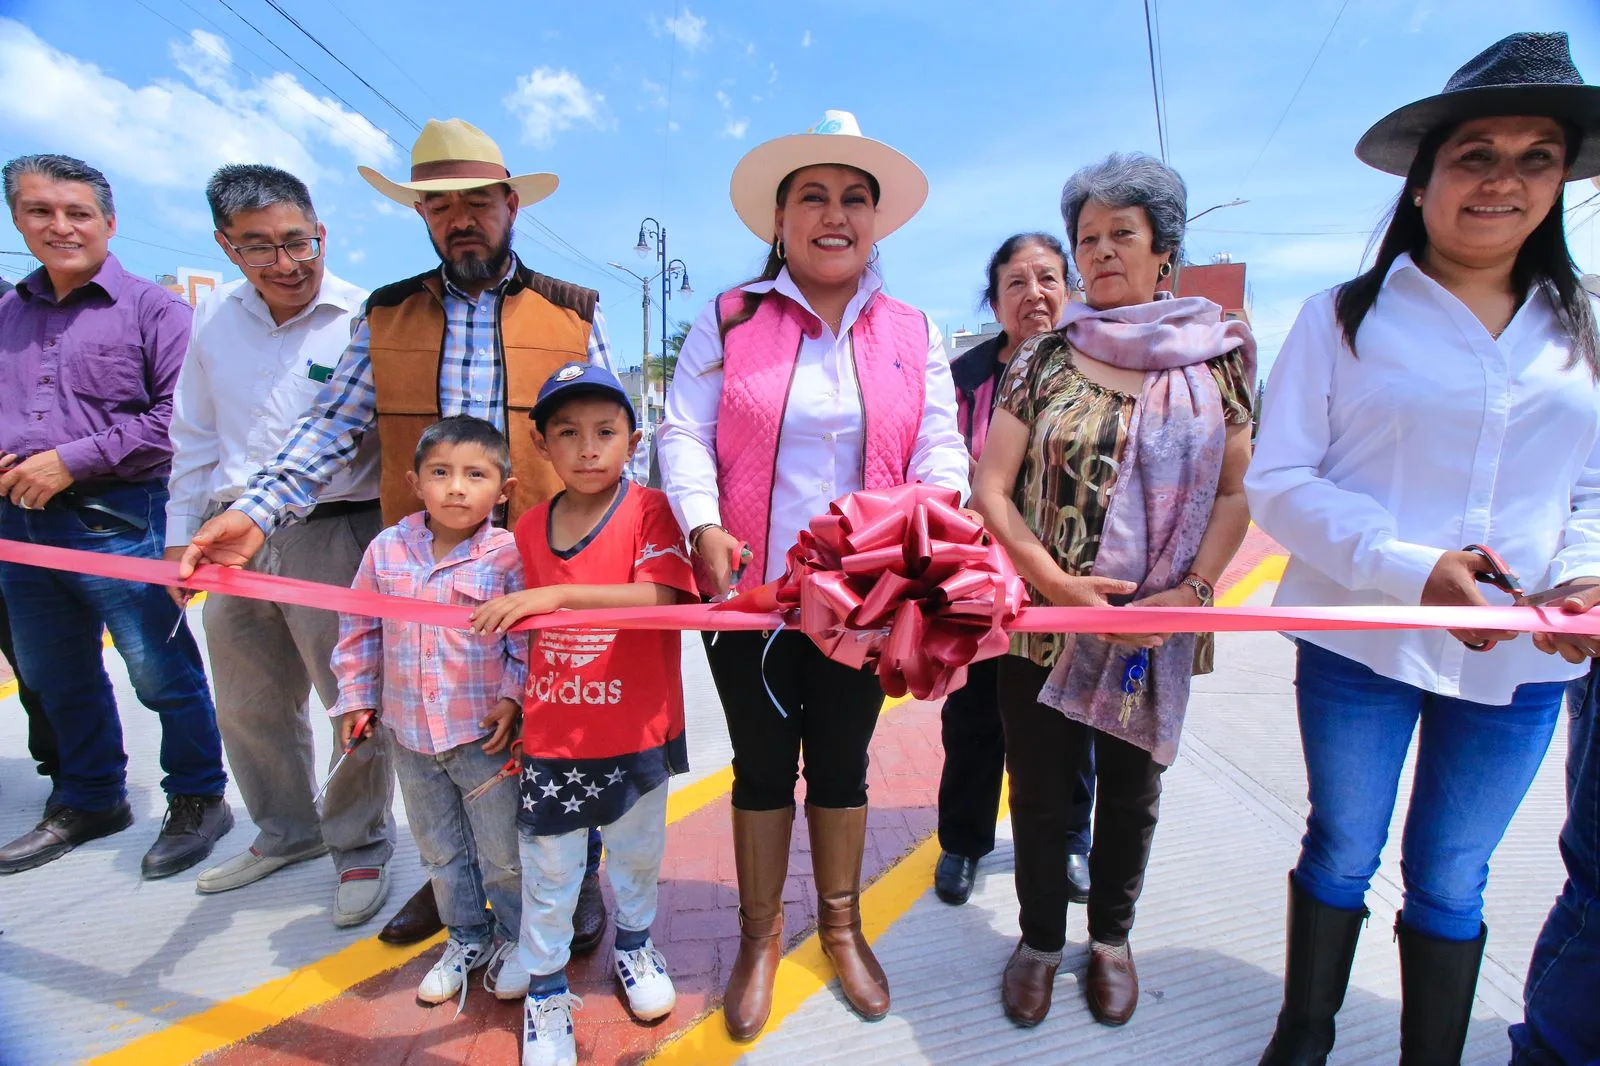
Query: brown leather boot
761	855
838	837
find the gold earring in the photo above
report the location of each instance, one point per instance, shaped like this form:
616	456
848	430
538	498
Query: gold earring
777	248
1165	271
1416	201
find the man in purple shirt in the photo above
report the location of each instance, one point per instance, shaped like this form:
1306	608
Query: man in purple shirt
89	355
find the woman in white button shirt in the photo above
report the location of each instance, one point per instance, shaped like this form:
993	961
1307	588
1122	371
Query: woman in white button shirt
791	391
1446	397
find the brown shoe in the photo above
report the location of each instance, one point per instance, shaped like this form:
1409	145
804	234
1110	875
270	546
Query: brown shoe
1113	985
761	854
417	920
838	837
1026	986
589	917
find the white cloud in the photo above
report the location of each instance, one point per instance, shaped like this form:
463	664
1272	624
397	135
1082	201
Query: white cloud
549	101
656	94
170	133
1419	18
805	40
688	29
356	255
672	125
772	69
750	49
724	99
736	128
388	207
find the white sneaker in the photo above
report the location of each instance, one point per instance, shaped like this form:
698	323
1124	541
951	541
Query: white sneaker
503	975
643	973
449	975
547	1038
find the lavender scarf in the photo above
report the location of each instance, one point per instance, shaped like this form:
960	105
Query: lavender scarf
1160	505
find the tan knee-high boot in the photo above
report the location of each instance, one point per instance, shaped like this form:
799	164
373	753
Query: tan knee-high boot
838	837
761	855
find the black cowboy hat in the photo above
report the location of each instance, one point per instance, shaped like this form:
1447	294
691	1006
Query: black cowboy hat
1524	74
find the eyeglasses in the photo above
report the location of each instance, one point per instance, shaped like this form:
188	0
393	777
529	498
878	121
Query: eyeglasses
299	250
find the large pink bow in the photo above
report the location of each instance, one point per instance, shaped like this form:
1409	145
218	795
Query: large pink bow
902	579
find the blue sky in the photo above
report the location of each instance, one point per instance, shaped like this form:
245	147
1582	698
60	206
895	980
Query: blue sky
643	109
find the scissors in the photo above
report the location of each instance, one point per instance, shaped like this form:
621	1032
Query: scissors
512	768
1499	574
745	555
361	730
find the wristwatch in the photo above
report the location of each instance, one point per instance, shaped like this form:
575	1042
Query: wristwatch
1202	589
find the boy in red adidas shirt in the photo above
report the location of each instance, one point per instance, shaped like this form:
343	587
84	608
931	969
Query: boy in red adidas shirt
603	713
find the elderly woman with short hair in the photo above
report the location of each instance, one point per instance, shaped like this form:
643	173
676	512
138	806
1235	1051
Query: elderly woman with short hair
1113	471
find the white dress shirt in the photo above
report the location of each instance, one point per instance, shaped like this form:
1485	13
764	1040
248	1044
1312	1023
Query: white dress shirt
821	440
1369	467
245	382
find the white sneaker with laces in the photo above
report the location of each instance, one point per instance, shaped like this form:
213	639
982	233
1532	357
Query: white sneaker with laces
547	1038
449	975
503	975
643	973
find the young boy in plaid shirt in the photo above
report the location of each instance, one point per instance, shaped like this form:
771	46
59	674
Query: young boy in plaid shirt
448	700
603	718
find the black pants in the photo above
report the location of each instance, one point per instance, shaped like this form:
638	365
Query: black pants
41	737
975	760
1042	745
832	711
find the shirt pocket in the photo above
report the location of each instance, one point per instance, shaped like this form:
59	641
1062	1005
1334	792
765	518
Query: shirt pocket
470	588
396	582
111	372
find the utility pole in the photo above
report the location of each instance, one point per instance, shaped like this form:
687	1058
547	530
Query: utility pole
644	358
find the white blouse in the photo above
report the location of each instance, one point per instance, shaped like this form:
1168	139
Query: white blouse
821	441
1369	467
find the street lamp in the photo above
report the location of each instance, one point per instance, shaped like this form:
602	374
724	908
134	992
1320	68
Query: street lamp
652	232
1177	266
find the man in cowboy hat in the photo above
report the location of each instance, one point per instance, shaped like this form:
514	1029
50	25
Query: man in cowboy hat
477	335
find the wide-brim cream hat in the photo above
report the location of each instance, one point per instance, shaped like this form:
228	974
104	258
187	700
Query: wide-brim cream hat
837	139
452	156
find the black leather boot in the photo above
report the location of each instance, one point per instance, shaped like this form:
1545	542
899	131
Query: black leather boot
1322	945
1438	979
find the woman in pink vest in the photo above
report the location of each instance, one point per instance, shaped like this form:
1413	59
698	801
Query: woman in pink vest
797	388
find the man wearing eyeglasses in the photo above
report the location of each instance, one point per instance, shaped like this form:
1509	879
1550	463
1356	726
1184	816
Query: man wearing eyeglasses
91	357
260	351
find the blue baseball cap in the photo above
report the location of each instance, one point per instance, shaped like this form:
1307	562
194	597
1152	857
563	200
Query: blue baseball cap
577	379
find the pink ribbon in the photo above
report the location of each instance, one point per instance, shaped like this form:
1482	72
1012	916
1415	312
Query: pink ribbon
915	592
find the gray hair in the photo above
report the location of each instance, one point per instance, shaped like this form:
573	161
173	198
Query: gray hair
1130	179
240	187
58	168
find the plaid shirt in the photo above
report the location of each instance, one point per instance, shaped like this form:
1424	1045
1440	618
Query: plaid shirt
326	439
431	685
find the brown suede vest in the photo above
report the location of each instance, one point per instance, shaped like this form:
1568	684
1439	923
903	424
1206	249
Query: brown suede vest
543	323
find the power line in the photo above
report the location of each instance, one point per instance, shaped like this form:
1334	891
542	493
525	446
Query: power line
1284	232
1161	65
1155	91
370	87
262	33
169	248
1295	95
379	49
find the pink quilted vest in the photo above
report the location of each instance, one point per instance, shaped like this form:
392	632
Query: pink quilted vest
890	345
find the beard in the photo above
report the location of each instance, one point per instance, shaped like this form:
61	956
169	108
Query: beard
468	270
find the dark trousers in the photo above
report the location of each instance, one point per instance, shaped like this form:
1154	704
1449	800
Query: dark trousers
975	760
58	617
1043	747
41	738
831	712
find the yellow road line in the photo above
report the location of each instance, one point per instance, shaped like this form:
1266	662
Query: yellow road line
1265	572
311	986
804	971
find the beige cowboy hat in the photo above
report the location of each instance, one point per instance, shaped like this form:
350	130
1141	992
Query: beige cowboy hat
837	139
451	156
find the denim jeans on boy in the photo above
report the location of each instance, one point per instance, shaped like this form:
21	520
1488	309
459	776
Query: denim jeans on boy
57	617
1474	765
1561	1018
553	869
469	847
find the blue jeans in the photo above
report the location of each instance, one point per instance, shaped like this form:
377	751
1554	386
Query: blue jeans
56	622
469	847
1561	1025
1474	764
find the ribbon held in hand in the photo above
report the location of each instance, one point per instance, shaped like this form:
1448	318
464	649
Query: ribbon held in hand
901	580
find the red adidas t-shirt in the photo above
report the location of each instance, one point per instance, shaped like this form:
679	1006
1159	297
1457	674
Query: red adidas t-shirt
602	720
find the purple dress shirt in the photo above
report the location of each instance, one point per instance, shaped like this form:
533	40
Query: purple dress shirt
92	376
